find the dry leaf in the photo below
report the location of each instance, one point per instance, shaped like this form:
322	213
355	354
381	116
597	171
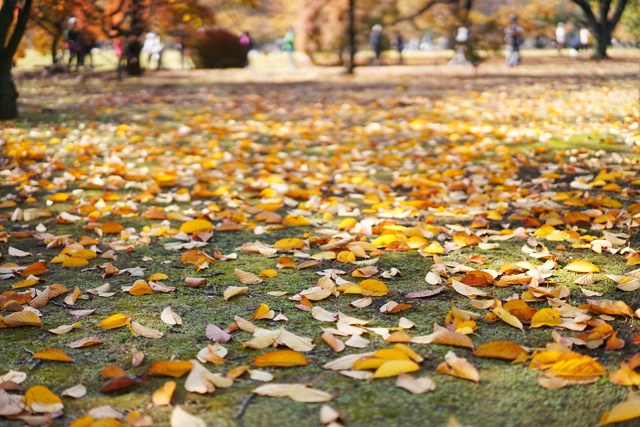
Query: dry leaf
170	317
458	367
247	278
415	386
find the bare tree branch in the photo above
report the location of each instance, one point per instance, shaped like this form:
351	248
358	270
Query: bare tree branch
417	13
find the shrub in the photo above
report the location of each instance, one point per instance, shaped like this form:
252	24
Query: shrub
216	48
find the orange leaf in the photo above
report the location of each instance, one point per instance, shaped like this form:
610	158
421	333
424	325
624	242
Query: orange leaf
501	350
614	343
174	369
41	399
35	269
286	262
113	371
281	358
546	317
52	354
624	411
111	227
140	288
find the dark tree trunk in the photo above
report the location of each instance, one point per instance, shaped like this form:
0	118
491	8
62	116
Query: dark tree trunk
602	41
54	49
134	50
352	37
8	93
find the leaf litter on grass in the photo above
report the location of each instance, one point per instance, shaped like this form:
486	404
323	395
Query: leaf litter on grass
336	198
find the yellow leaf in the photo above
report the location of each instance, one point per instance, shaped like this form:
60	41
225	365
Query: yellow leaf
74	262
263	312
41	399
232	291
289	244
162	396
194	225
113	322
581	266
157	276
373	287
268	273
295	220
395	367
508	317
546	317
347	257
22	318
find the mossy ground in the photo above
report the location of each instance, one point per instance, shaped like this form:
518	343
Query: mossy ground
508	395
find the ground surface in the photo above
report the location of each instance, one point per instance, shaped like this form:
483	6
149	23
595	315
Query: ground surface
428	151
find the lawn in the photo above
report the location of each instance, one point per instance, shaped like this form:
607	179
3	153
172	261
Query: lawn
429	169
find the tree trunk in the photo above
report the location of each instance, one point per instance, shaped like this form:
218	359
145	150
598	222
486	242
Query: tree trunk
602	41
8	93
134	49
54	49
352	37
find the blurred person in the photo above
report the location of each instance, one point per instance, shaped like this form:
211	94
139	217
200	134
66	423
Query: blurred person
585	39
462	38
375	40
288	46
154	48
73	43
513	37
561	37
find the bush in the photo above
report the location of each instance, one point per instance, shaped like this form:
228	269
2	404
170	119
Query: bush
215	48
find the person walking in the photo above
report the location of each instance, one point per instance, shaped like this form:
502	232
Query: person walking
561	37
288	46
375	40
74	43
585	39
513	37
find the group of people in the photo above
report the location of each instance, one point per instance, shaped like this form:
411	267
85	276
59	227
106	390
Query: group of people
580	42
79	43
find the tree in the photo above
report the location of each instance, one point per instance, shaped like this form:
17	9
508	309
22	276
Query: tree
51	16
129	19
631	19
13	23
602	24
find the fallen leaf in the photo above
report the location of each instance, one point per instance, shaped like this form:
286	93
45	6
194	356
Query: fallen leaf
281	358
413	385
